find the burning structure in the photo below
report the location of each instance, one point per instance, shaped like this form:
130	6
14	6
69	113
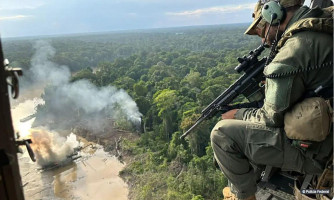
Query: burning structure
50	148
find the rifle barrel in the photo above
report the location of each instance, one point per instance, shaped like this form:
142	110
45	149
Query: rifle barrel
199	120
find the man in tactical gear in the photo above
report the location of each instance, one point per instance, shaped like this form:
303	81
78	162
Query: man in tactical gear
301	61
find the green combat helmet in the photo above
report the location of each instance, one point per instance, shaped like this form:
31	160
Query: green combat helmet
258	21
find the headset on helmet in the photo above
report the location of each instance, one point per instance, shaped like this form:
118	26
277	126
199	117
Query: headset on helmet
272	12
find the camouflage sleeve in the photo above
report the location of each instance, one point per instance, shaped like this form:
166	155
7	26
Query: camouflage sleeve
304	49
280	93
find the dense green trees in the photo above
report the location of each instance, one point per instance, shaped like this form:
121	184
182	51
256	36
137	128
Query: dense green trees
172	74
167	102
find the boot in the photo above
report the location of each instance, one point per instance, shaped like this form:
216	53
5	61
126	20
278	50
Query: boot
228	195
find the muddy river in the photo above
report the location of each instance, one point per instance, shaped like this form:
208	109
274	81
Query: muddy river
94	175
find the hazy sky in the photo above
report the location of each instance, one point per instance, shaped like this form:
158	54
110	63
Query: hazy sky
49	17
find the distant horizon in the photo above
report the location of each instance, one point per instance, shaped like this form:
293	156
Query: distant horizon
60	17
31	18
115	31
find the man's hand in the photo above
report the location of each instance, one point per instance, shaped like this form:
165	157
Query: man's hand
229	114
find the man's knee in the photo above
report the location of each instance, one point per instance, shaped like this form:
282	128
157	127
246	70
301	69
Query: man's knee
227	127
218	131
223	135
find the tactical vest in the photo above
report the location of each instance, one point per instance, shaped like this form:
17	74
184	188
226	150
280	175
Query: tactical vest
315	20
318	20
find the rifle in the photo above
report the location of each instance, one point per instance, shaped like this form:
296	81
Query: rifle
248	85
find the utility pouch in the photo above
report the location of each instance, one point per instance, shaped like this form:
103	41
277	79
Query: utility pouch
309	120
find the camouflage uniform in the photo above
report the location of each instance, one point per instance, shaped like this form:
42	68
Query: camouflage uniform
256	137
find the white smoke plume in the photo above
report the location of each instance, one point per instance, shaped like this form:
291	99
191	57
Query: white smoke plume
44	70
68	104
